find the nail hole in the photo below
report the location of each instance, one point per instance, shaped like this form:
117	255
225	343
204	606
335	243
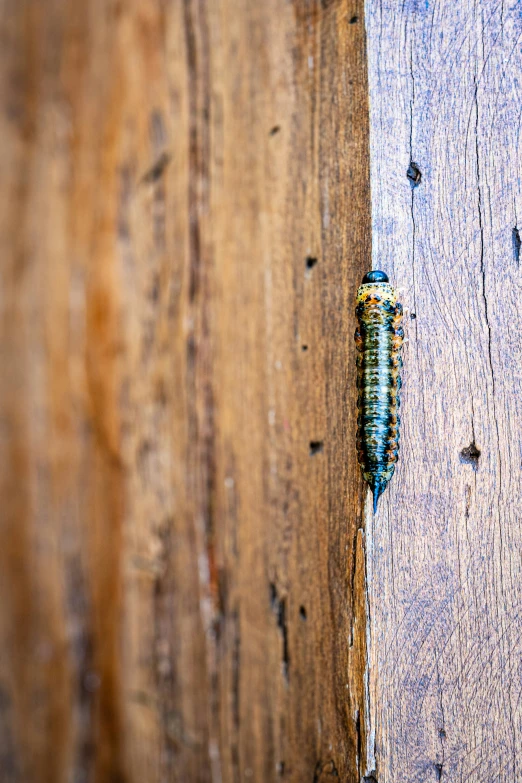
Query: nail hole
311	262
413	316
157	170
275	130
302	613
155	290
470	455
414	174
281	768
304	347
354	20
442	733
316	447
438	771
91	681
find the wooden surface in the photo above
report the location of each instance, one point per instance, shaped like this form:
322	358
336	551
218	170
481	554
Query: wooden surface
184	218
445	549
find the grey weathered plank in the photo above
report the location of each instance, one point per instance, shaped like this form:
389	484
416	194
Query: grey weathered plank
444	551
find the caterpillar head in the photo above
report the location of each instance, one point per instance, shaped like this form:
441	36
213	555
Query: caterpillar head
375	286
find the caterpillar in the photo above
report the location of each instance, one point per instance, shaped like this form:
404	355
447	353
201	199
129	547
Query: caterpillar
378	339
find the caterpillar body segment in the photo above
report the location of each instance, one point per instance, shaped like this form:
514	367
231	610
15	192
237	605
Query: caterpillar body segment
378	339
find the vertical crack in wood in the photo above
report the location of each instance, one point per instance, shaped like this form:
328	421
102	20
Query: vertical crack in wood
416	179
516	244
358	647
490	360
370	764
278	604
442	729
199	347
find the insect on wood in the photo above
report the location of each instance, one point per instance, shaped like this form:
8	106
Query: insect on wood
378	339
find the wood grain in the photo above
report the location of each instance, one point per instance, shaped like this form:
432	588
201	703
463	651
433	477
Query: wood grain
444	549
184	219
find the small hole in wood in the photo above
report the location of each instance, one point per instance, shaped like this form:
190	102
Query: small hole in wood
470	455
311	262
304	347
275	130
414	174
316	447
155	290
91	681
302	613
157	169
281	768
413	316
354	20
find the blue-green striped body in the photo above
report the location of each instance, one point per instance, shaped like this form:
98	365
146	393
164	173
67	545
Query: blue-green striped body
379	340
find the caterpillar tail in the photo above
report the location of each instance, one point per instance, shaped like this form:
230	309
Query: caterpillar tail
377	489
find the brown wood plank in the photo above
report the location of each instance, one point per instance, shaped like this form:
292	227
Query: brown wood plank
444	549
184	218
291	240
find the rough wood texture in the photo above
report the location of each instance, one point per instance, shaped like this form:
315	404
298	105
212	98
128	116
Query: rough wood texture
184	219
445	548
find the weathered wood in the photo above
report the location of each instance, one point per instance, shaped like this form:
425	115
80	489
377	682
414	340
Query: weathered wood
291	244
445	547
184	218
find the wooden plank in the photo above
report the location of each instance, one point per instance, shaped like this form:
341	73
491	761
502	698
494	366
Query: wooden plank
104	675
291	239
184	218
445	547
